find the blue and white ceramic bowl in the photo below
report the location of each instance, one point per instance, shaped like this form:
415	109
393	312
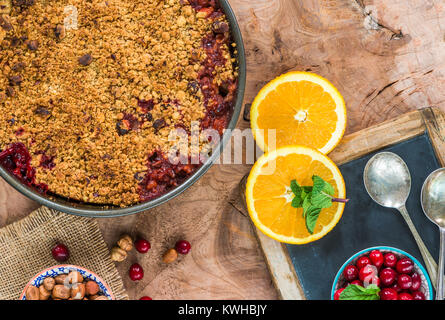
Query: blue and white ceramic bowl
52	272
426	288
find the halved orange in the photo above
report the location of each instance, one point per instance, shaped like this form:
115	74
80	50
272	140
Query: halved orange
303	108
269	197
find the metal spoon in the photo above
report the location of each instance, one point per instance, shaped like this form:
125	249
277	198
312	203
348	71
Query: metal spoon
433	204
388	182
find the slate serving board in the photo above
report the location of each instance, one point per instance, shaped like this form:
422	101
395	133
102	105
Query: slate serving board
366	224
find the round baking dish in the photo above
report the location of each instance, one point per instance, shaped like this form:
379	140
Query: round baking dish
100	211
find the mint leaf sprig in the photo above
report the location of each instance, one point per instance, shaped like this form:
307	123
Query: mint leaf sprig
313	199
356	292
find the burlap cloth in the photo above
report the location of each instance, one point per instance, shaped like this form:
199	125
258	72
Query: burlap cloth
25	250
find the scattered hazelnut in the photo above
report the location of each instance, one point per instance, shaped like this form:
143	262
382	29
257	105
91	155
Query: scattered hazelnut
49	283
170	256
60	279
94	297
44	294
60	292
32	293
78	291
118	254
75	277
91	288
125	242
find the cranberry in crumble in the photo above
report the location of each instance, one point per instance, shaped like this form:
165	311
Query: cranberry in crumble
91	90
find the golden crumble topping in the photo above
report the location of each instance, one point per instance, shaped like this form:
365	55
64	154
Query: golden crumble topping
92	89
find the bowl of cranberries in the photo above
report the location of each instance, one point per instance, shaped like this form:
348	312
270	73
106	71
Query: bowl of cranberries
382	273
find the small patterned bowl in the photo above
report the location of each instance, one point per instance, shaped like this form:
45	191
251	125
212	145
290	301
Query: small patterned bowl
426	287
65	269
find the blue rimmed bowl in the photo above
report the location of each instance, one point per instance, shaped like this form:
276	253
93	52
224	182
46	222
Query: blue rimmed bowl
426	288
54	271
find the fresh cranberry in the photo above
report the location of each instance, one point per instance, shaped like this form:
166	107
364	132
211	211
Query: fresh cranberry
145	298
183	247
405	296
142	245
374	280
357	282
338	293
60	252
417	282
388	276
367	273
417	295
390	260
404	281
396	287
350	273
388	294
363	262
136	272
404	266
376	258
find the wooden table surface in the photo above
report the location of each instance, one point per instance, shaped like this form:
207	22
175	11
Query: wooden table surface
385	57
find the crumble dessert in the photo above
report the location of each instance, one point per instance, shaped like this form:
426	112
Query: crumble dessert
87	109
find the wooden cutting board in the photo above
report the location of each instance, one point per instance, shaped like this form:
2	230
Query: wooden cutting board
386	57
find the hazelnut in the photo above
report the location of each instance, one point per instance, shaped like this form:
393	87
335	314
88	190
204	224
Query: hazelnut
93	297
125	242
78	291
118	254
32	293
60	292
91	288
49	283
60	279
44	294
170	256
101	298
75	277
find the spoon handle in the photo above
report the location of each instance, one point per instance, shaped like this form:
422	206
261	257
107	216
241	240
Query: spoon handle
439	291
430	264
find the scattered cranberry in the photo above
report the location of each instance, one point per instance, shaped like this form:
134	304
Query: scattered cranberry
145	298
388	294
417	282
183	247
389	260
350	273
388	276
142	245
363	262
404	281
338	293
405	296
417	295
136	272
367	273
60	252
405	266
376	258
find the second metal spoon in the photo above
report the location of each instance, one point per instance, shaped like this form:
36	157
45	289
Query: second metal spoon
388	182
433	204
